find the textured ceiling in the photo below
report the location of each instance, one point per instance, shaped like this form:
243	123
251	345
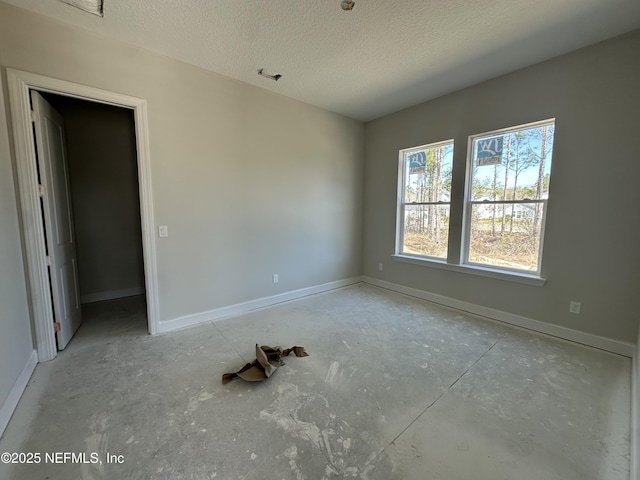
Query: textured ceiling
379	58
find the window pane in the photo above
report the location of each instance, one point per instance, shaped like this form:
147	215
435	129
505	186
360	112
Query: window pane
514	165
426	230
427	174
506	235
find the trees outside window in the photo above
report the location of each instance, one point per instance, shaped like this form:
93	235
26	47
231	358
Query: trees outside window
425	199
506	192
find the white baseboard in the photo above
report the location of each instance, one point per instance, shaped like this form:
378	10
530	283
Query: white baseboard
603	343
246	307
10	404
111	294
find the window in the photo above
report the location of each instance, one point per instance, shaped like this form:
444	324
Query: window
425	199
500	224
507	191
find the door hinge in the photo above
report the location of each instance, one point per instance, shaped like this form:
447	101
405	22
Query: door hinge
47	260
56	327
41	190
34	116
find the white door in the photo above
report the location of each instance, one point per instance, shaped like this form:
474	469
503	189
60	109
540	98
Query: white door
61	247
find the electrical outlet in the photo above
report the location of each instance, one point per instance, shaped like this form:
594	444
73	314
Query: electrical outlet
380	267
275	278
574	307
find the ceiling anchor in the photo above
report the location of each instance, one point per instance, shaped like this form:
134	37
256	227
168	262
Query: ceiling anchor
274	77
347	5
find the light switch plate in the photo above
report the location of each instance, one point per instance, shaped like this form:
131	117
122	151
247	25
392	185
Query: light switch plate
163	231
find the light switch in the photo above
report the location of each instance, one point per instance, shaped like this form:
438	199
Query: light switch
163	231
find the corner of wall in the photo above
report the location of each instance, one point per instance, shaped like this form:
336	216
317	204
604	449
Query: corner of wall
9	405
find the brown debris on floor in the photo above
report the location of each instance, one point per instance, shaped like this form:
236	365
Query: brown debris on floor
267	361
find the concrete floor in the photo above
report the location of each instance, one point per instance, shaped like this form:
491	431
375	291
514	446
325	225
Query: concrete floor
394	388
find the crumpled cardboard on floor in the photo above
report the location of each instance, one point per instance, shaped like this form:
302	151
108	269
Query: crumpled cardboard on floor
267	361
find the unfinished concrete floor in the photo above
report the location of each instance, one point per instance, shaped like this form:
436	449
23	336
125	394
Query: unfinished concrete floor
394	388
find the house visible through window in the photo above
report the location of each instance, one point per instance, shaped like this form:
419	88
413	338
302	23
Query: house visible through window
505	200
425	200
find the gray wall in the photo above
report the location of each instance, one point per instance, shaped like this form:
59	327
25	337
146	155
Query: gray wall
101	151
591	251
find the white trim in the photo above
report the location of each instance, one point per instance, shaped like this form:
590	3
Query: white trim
111	294
507	275
246	307
19	84
402	183
10	404
603	343
31	220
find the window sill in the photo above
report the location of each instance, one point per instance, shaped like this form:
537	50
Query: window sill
474	270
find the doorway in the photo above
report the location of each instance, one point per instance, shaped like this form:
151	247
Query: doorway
102	177
20	84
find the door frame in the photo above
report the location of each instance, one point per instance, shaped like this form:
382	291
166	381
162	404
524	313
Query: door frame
19	84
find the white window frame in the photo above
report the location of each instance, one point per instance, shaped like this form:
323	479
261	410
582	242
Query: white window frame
456	259
401	204
469	202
